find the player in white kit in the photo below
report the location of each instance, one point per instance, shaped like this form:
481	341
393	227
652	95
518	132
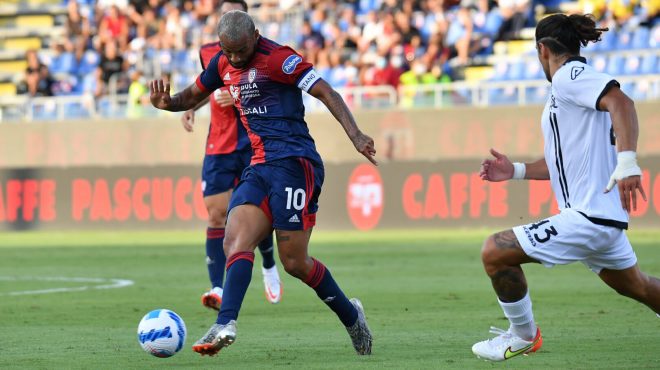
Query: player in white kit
590	130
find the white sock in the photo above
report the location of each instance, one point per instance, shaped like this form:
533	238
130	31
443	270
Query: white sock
217	290
521	317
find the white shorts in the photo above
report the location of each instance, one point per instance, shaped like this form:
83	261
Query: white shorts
570	237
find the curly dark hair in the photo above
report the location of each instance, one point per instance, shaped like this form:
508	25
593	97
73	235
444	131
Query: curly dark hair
563	34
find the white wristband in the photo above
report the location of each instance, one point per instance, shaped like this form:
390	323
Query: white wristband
626	166
519	170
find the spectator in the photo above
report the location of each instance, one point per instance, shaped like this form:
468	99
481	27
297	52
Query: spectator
148	30
353	38
419	74
389	70
410	35
38	81
78	23
459	35
514	14
112	63
92	84
63	60
310	40
172	31
113	27
138	96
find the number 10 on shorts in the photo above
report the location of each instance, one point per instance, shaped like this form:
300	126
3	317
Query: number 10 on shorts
295	198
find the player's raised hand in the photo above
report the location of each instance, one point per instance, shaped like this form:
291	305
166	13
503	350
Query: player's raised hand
365	145
188	120
223	97
159	93
628	188
628	176
498	169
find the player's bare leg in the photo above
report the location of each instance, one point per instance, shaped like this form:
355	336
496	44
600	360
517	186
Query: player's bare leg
635	284
216	206
502	256
292	247
246	226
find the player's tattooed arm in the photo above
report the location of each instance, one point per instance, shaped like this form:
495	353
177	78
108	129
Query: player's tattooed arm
186	99
336	105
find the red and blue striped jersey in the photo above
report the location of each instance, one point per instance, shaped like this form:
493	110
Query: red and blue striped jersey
226	132
267	93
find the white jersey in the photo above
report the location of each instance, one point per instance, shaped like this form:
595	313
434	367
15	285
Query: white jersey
579	144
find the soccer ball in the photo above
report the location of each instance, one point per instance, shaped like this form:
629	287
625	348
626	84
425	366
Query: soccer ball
161	333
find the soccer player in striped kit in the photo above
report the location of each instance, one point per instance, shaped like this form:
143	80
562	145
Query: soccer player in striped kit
590	130
227	154
280	188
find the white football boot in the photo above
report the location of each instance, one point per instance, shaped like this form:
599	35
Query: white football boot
506	345
272	284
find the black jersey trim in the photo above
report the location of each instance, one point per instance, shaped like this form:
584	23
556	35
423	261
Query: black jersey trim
576	58
607	88
559	160
606	222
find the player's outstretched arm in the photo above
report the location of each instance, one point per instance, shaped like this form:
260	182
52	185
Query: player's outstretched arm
627	173
336	105
500	168
188	98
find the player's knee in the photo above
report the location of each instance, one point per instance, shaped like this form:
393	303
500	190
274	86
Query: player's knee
490	256
488	251
229	245
217	216
294	266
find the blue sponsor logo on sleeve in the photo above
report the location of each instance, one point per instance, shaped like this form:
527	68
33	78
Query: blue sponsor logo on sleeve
290	63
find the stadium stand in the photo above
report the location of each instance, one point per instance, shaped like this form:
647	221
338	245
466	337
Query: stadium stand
408	52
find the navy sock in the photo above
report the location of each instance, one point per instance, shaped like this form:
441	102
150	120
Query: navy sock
239	273
266	249
215	255
326	288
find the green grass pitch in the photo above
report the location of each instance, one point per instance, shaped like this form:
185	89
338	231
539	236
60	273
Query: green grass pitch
426	297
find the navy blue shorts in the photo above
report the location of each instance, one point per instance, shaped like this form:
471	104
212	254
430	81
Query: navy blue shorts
221	172
287	190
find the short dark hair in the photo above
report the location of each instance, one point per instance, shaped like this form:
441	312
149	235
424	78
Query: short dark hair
240	2
563	34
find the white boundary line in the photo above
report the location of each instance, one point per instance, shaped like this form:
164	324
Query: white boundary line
105	284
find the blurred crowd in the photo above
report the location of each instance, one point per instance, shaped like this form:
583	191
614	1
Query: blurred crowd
112	46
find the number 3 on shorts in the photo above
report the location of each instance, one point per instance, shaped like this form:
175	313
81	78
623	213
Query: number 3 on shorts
295	198
549	231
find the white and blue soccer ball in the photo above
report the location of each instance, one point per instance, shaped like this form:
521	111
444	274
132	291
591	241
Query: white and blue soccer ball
162	333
